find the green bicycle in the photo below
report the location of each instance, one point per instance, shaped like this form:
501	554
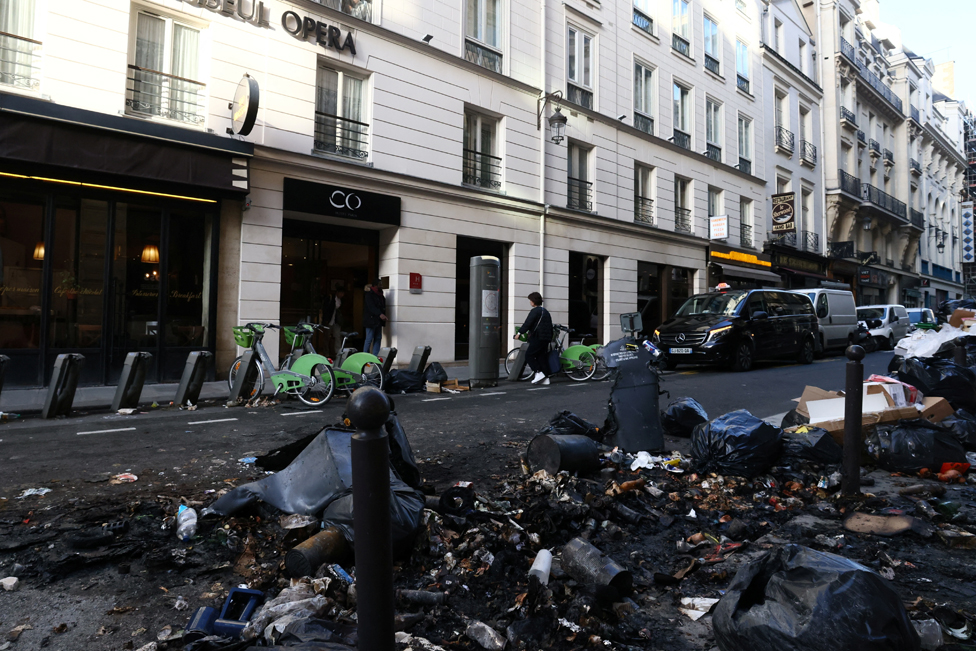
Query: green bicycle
578	362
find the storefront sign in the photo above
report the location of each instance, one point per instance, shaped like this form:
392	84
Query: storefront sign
250	11
800	264
725	253
325	35
842	249
245	105
967	232
718	227
335	201
784	217
874	277
416	284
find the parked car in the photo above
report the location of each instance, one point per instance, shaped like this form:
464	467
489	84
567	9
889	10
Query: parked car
921	318
736	328
894	322
837	315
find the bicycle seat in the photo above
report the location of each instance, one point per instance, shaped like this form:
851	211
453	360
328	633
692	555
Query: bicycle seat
587	335
350	334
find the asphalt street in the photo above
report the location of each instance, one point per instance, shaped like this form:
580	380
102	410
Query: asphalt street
453	435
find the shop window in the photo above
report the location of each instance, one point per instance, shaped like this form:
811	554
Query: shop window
483	33
164	71
585	294
135	280
649	295
188	279
20	54
482	167
680	288
340	114
22	253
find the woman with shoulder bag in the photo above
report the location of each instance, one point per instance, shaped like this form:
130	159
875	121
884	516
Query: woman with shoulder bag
539	326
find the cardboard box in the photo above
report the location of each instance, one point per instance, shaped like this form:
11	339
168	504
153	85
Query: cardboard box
957	317
449	386
935	409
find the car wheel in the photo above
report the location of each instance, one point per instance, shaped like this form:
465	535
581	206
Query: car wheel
742	356
891	341
805	355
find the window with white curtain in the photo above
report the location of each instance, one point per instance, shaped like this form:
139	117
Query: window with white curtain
713	122
165	70
483	31
579	65
680	24
713	45
340	114
745	138
644	97
19	51
482	165
741	59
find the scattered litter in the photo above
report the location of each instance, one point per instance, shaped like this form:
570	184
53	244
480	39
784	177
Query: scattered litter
10	583
696	607
127	411
124	478
248	460
40	492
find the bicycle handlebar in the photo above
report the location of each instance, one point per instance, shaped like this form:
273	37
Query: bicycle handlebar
270	326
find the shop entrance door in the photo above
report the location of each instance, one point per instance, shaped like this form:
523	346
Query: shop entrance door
467	248
585	297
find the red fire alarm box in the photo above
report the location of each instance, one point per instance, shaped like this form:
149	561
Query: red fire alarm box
416	283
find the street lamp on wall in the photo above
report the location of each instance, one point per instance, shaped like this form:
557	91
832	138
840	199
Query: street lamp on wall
941	245
557	121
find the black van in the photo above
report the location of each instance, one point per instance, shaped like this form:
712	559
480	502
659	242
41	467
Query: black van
738	327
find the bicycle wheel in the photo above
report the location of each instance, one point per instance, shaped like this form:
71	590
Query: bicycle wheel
318	394
602	371
510	360
258	383
582	369
372	376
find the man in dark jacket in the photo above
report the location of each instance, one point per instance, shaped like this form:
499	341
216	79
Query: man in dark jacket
539	326
374	317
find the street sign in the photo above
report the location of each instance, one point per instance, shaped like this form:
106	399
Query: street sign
718	227
784	215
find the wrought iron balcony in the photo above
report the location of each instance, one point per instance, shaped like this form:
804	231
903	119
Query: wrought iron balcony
643	210
682	139
643	22
889	157
579	96
876	83
682	220
861	138
712	64
745	235
884	200
874	145
802	241
714	152
482	56
742	83
745	165
847	115
784	139
157	94
579	194
342	137
808	152
915	166
681	45
915	115
482	169
848	51
20	61
643	123
849	183
918	219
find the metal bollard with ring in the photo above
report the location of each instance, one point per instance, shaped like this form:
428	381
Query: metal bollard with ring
853	401
368	410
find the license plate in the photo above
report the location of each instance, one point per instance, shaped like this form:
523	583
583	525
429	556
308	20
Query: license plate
680	351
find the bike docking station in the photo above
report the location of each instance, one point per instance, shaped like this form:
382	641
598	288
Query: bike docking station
194	375
64	383
246	378
419	360
484	321
131	381
387	355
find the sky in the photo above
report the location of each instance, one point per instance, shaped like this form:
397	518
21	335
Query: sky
941	30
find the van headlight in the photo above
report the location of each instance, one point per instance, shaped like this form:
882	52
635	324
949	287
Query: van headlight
718	333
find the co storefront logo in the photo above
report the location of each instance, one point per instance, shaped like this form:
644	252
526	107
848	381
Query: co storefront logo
340	199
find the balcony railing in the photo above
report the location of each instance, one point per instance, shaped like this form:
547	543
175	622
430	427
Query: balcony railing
915	166
482	56
879	86
157	94
918	219
889	157
644	123
745	235
745	165
808	152
847	115
802	241
742	83
482	169
849	183
682	220
643	22
861	137
20	61
643	210
874	145
914	114
714	152
579	96
341	136
682	139
579	194
884	200
848	51
712	64
681	45
784	139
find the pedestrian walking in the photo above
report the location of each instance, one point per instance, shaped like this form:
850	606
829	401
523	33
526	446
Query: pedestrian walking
332	319
539	327
374	317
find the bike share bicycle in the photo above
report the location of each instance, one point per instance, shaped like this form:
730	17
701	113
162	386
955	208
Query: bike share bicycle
578	361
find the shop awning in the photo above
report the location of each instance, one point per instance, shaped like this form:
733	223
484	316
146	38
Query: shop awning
747	272
803	273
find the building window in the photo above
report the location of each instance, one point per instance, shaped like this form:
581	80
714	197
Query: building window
682	116
715	204
713	46
782	184
481	166
782	110
682	212
745	223
642	16
340	114
643	194
803	57
741	66
713	129
579	67
745	145
484	33
681	27
20	54
778	35
644	98
579	190
164	71
806	210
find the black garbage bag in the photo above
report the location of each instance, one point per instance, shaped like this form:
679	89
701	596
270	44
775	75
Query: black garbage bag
895	364
435	373
319	482
682	416
794	418
401	454
800	599
736	443
813	444
962	425
404	381
940	377
946	308
567	423
910	445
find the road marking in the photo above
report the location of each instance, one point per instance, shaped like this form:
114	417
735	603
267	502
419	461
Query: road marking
492	393
577	384
434	399
539	389
297	413
219	420
106	431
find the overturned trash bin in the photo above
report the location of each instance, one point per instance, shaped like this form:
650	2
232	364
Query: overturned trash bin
634	418
571	452
194	375
64	383
131	381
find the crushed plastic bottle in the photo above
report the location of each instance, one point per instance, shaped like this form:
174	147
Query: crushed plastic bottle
186	523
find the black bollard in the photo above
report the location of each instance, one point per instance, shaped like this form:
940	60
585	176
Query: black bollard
959	355
853	400
368	409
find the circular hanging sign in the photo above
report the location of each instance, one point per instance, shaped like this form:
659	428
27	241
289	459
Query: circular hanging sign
245	105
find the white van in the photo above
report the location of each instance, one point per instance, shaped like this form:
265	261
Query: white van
894	322
837	315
